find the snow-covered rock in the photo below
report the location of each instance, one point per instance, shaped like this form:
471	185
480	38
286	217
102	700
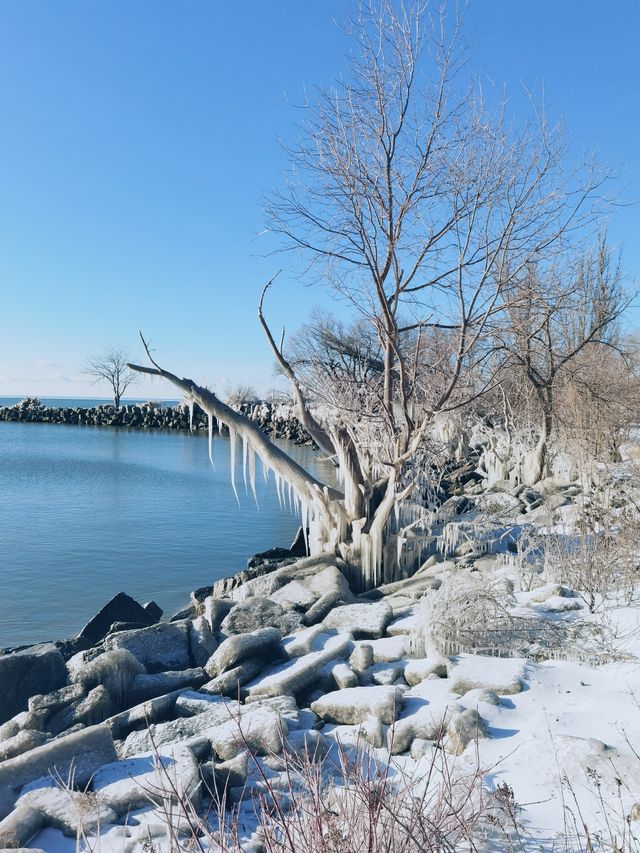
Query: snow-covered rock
263	643
159	647
257	612
420	719
202	642
362	620
67	810
464	727
418	669
504	676
354	704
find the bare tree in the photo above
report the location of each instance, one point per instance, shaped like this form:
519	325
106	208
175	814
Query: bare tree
421	206
559	319
112	367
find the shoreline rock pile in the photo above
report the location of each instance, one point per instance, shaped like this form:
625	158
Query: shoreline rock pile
276	420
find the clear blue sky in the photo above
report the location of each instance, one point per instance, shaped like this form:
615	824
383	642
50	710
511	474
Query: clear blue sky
138	139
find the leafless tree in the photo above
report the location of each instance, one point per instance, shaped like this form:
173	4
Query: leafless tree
421	205
111	366
558	322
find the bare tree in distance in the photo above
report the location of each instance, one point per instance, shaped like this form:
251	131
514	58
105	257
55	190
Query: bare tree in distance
553	319
111	366
421	205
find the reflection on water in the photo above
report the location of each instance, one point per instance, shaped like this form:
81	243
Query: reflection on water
86	512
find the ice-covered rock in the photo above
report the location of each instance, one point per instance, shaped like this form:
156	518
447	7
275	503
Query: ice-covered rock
155	684
410	622
159	647
368	731
74	757
362	620
202	643
38	669
294	595
504	676
385	673
354	704
464	727
299	674
342	675
181	729
254	613
163	776
115	670
93	709
420	719
72	812
418	669
301	643
264	643
215	610
231	681
21	742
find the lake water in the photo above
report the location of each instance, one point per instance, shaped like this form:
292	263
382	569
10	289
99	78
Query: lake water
88	511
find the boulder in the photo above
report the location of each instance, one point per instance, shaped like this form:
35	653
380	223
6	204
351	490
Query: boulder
462	729
202	643
72	812
215	610
147	687
355	704
19	827
300	673
21	742
150	711
427	721
93	709
254	613
419	669
159	647
342	675
38	669
167	775
264	643
505	676
121	608
294	595
301	643
324	605
57	699
259	728
230	682
367	621
385	673
115	670
74	757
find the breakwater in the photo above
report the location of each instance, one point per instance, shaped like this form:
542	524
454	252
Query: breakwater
275	419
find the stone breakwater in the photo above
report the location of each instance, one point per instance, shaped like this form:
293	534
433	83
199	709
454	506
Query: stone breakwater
275	419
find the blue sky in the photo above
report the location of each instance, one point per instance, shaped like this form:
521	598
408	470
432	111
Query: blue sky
138	140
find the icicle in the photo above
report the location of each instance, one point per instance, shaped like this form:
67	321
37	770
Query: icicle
304	513
245	447
252	474
278	480
190	405
232	447
210	430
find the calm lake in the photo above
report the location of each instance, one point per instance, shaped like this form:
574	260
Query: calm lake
88	511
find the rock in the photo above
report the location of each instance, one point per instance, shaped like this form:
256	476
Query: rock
254	613
19	827
355	704
560	604
294	596
302	642
215	610
505	676
166	776
324	605
419	669
477	695
299	545
188	612
154	612
57	699
159	647
386	673
38	669
151	711
368	731
74	757
361	657
121	608
390	649
21	742
299	674
420	720
421	747
72	812
409	622
462	729
202	643
93	709
181	729
230	682
307	746
259	728
8	729
147	687
362	620
115	670
343	676
270	556
264	643
229	774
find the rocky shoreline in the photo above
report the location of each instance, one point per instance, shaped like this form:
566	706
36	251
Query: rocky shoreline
281	662
277	420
